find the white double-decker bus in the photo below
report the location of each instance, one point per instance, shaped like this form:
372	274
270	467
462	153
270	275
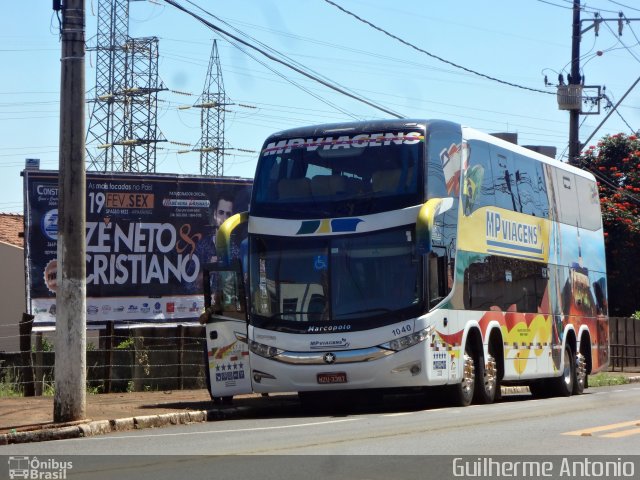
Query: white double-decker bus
409	253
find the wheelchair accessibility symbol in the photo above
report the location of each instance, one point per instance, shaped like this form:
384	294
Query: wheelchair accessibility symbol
320	262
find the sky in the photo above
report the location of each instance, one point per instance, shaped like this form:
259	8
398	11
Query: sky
515	42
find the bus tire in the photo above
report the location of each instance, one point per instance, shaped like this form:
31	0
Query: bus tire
580	380
564	384
462	393
486	388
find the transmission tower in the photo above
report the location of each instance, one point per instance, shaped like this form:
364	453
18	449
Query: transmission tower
212	103
123	132
141	106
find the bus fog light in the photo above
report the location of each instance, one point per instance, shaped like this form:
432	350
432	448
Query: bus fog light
413	368
258	376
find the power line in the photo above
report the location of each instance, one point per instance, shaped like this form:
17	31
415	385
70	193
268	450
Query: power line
628	49
411	45
625	6
275	59
625	122
267	47
584	8
613	110
291	81
554	4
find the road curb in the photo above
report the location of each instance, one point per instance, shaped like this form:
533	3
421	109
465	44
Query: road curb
101	427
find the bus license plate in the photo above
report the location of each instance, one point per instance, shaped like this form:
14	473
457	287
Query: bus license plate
332	377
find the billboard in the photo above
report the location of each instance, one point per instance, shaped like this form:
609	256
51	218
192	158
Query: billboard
147	236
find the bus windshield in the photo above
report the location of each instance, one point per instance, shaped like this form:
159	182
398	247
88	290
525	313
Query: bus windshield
359	280
338	176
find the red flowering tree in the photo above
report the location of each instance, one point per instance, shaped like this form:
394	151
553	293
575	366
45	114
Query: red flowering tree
615	162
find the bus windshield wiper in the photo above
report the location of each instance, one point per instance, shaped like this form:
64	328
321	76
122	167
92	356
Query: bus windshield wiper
380	310
280	315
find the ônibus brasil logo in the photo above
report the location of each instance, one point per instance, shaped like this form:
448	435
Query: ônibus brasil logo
35	468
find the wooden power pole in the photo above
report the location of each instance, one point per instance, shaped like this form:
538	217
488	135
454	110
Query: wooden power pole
70	340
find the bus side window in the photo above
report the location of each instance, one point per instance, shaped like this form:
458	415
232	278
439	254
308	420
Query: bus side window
588	204
478	184
504	180
438	278
530	187
442	180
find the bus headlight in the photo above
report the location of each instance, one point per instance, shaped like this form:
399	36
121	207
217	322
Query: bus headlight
264	350
408	340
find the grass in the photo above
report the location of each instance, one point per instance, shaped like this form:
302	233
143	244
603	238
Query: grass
607	379
9	387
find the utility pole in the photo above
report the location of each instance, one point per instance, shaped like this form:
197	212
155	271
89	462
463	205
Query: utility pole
574	114
69	402
570	96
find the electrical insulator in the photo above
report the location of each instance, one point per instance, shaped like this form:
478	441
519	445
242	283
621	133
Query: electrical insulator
596	24
620	24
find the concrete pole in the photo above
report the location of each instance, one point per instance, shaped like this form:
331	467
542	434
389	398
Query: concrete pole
70	345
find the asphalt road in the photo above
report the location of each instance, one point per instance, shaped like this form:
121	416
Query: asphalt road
603	421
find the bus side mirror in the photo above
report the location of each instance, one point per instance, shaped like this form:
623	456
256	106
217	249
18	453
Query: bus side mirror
425	221
223	236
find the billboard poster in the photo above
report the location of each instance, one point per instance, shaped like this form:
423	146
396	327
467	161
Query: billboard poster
147	236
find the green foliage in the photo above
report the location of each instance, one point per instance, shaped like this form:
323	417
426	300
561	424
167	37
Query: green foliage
9	386
607	379
126	344
615	162
95	390
47	345
48	388
636	315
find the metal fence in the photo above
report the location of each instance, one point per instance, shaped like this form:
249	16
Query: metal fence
624	338
118	360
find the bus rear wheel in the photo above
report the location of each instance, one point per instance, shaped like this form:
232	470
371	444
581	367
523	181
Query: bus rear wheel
580	380
564	384
486	388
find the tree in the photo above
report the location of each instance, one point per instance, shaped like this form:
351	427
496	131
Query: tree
615	162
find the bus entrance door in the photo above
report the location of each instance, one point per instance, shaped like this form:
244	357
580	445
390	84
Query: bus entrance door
227	350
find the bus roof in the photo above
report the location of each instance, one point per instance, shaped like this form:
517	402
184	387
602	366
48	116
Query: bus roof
345	127
468	133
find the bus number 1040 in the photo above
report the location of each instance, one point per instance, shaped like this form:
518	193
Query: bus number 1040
400	330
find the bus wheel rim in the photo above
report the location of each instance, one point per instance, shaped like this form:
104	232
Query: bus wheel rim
468	374
490	374
581	369
567	368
